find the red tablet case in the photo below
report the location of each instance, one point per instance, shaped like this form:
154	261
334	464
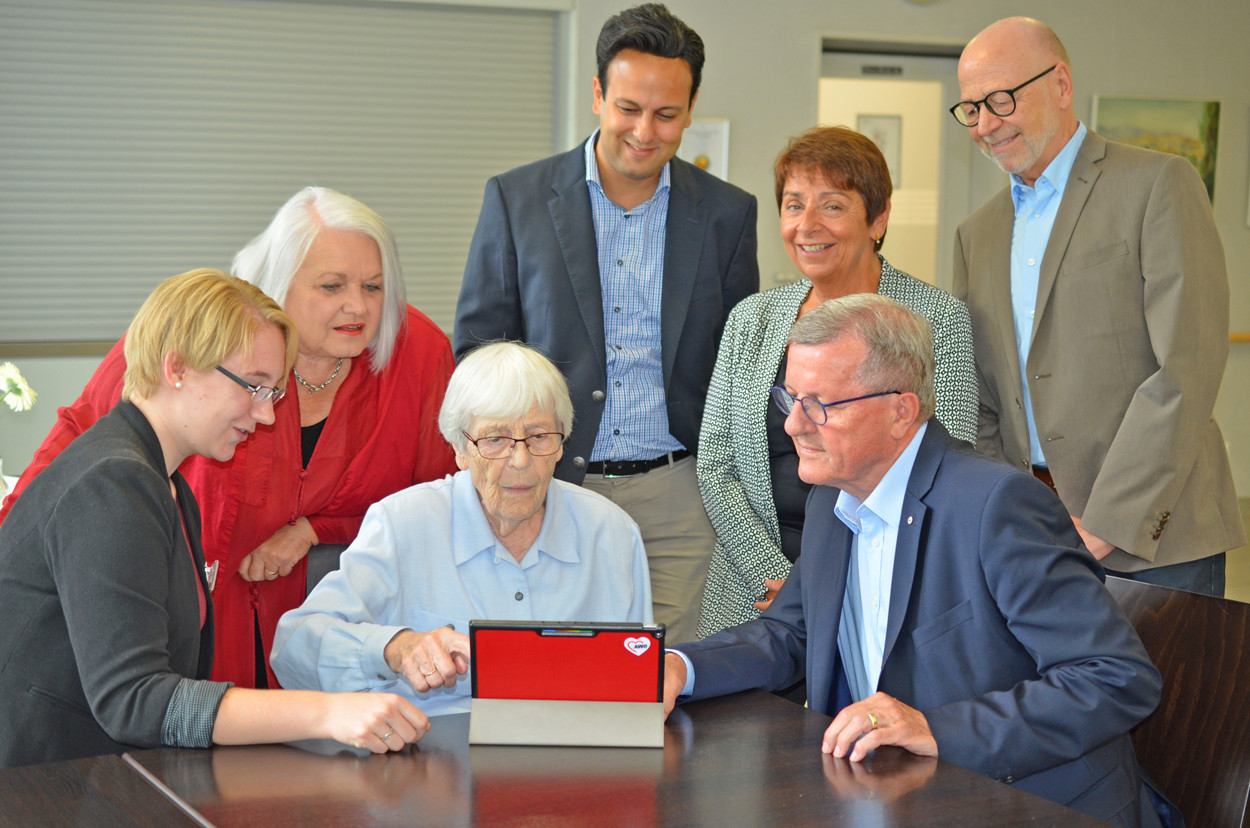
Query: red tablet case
567	661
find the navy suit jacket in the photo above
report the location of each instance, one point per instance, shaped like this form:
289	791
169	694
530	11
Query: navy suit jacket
533	275
1000	631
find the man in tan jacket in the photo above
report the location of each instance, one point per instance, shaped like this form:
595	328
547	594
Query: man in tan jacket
1099	277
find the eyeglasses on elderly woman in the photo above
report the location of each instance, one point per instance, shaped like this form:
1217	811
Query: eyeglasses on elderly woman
497	447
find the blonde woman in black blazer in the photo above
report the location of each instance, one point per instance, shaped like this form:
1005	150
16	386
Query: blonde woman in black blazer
105	604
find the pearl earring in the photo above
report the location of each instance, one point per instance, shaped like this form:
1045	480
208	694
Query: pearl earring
178	384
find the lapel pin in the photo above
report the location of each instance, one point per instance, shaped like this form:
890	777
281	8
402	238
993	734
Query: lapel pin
909	520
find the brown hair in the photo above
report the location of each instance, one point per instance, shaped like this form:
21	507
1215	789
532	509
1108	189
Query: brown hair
845	158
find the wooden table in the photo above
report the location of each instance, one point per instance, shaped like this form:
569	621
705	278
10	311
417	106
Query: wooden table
750	759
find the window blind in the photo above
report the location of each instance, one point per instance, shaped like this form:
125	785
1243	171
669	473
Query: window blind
139	139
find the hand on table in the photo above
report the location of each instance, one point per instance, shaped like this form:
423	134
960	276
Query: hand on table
381	722
276	557
771	588
1097	547
674	680
878	720
429	660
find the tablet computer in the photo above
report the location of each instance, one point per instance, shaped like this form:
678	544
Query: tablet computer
567	683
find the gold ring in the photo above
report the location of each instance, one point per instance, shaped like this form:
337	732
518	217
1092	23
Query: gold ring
271	572
872	717
433	670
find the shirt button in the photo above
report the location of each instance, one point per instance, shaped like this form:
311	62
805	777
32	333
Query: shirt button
519	596
618	383
1032	262
875	603
616	431
620	261
616	309
876	542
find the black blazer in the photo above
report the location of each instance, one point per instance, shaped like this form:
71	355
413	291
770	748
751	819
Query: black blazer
533	275
99	620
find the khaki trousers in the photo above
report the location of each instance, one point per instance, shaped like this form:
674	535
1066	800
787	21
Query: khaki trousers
678	537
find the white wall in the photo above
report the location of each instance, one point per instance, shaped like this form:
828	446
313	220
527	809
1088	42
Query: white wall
763	69
762	73
57	381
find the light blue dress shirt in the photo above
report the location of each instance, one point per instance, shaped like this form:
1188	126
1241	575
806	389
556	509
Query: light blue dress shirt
426	557
1036	208
630	244
866	602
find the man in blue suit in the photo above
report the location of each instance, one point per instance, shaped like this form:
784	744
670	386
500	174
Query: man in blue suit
620	263
943	602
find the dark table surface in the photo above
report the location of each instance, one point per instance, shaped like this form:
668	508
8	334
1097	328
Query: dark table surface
750	759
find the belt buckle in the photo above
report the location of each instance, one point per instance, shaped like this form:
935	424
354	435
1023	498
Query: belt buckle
609	476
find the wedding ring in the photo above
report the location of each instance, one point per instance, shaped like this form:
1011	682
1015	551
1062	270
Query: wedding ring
433	670
872	717
388	735
271	572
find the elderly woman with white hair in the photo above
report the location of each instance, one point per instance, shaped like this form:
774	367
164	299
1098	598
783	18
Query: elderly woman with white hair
368	380
500	540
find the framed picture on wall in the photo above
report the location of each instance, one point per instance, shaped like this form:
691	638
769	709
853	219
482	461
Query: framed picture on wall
886	131
1186	128
705	143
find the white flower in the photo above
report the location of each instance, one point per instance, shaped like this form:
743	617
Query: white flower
13	388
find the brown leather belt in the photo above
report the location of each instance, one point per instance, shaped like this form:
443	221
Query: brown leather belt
1043	474
624	468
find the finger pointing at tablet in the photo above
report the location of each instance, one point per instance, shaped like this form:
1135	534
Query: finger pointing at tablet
429	660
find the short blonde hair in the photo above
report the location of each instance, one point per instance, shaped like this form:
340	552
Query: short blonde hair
203	316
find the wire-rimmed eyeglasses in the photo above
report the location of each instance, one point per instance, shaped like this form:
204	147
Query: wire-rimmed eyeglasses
815	410
1001	103
260	393
498	447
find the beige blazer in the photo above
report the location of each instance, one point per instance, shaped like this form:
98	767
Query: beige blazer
1130	338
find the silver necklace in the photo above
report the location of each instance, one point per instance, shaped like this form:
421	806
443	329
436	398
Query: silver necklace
323	386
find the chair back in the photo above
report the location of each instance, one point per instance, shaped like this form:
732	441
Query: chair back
1196	745
323	559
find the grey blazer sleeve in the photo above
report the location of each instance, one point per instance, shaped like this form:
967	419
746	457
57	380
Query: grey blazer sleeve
1184	294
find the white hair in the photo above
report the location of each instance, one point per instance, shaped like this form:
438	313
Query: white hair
503	381
270	260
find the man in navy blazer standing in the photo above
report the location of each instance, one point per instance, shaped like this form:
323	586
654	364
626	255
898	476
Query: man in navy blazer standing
620	263
943	602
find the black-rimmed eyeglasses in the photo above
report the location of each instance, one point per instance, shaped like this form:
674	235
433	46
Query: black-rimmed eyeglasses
1001	103
815	410
260	393
499	447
